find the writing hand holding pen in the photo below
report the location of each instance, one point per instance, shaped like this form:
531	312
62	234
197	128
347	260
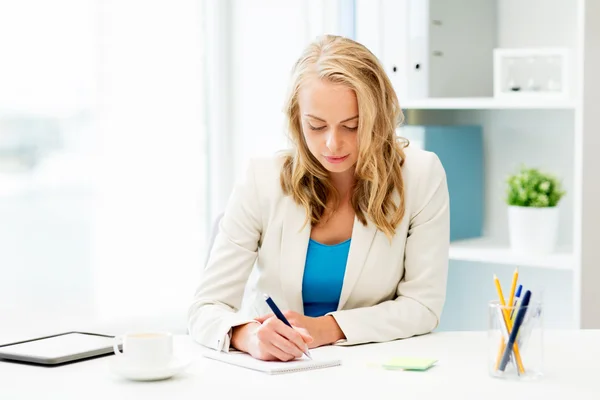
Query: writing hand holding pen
270	339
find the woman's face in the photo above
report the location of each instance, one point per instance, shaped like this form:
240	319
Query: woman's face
329	114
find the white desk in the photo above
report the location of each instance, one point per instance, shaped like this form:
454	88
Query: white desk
572	372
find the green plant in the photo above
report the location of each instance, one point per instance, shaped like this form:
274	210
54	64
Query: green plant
530	187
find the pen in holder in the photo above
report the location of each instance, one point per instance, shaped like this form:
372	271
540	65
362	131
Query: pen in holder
524	359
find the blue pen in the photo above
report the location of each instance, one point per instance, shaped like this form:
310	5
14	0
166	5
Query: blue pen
281	317
515	330
517	295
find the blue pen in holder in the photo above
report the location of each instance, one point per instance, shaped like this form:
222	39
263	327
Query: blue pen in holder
524	360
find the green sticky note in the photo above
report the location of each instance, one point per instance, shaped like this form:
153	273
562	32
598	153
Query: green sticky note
409	363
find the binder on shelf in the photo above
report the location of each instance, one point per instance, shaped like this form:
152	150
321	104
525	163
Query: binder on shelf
450	51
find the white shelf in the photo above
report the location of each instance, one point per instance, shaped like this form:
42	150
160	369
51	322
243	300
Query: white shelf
487	251
487	103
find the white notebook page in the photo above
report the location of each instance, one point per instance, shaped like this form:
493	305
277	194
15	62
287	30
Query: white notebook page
271	367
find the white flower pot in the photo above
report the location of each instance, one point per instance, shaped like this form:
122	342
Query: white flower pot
533	229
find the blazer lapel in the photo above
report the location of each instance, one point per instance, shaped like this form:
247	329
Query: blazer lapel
362	238
294	245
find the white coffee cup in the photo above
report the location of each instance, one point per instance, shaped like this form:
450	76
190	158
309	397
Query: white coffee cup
145	349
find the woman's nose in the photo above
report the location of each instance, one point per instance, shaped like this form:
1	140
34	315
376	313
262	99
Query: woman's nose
333	141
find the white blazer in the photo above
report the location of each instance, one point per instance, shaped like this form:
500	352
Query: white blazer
391	290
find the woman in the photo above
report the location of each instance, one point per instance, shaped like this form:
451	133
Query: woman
348	233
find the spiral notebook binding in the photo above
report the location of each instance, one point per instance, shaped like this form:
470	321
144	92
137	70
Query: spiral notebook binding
244	360
306	368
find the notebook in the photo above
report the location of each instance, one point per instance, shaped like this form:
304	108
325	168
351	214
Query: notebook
270	367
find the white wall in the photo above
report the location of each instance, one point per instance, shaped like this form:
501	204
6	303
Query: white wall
587	145
537	23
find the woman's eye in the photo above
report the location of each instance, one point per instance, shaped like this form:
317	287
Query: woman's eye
351	128
316	128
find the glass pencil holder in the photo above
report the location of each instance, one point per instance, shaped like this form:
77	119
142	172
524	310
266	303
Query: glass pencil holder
523	360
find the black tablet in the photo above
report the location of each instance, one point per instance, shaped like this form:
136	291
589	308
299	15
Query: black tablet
58	349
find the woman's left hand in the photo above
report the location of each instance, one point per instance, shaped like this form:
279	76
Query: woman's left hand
324	330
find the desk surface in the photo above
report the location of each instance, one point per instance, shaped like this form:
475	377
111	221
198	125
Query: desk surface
571	368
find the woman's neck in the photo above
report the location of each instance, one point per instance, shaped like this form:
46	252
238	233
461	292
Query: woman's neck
343	183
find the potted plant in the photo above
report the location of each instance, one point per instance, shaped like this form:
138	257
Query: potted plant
533	213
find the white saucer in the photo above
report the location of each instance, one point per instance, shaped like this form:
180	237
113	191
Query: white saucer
121	366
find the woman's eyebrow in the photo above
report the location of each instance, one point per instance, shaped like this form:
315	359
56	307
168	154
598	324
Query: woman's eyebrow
349	119
313	117
322	120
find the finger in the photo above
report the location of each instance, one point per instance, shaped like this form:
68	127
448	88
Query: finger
276	344
264	318
292	335
305	335
286	346
277	353
268	346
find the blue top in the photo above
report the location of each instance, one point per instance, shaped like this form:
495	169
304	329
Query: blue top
323	277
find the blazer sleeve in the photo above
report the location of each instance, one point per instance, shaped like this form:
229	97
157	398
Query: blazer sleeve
214	310
422	290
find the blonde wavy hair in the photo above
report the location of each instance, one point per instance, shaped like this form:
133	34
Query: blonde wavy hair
378	170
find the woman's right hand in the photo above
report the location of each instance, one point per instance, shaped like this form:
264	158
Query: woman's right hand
271	341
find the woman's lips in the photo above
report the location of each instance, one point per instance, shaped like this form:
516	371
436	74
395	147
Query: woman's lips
336	160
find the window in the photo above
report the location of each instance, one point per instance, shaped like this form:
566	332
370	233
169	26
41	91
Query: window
102	160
